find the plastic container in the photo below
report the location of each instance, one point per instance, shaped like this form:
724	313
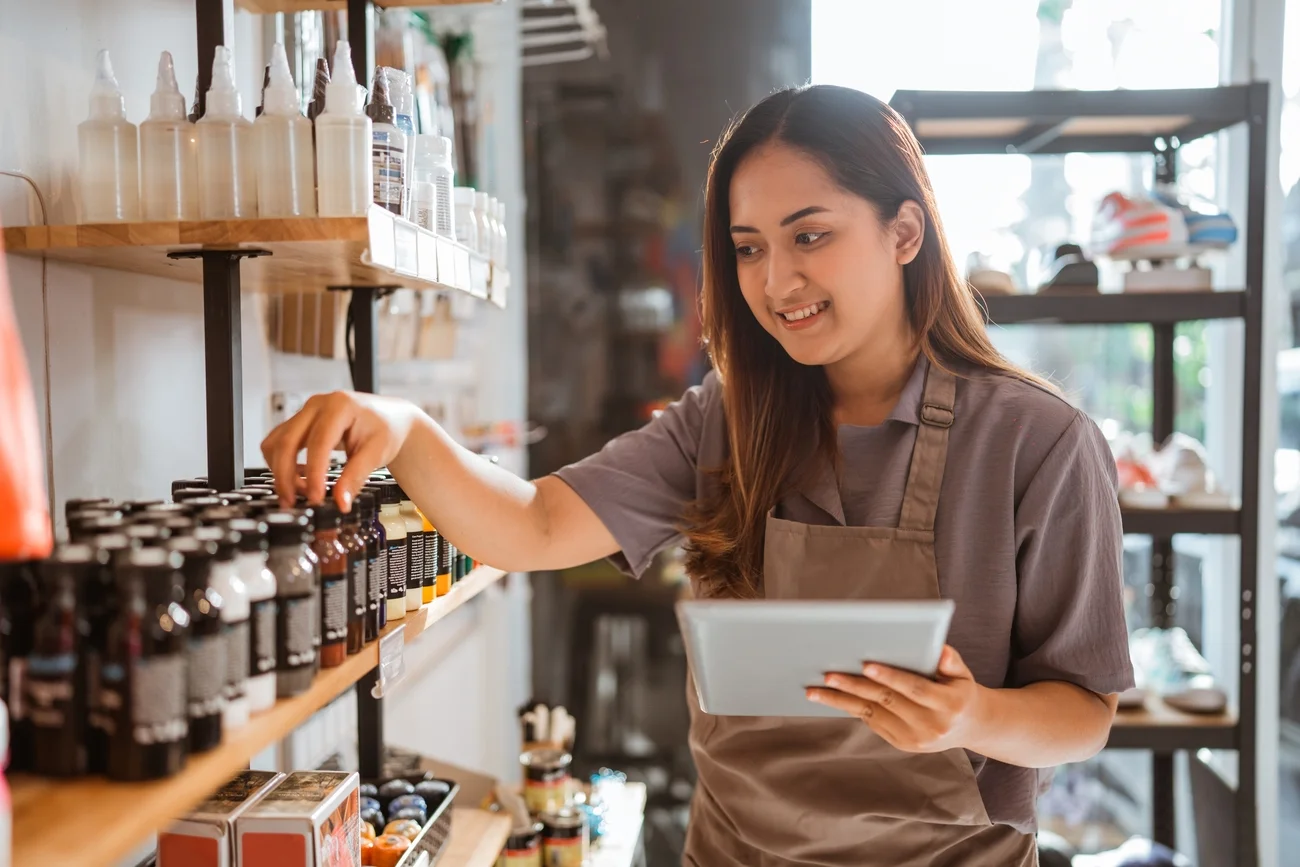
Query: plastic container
433	179
250	564
388	148
390	516
485	230
227	156
343	142
466	220
169	169
416	544
286	165
403	99
107	144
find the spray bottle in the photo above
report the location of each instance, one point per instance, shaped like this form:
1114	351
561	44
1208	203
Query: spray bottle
110	161
227	165
285	164
168	153
343	136
388	150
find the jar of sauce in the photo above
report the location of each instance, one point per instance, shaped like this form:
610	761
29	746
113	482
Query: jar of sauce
523	847
565	839
334	601
205	654
358	589
546	779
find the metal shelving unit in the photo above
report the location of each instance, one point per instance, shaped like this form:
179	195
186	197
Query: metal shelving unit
1131	121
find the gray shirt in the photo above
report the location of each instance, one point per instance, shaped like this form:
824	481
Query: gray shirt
1028	539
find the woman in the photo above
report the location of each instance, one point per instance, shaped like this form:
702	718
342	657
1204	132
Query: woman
861	439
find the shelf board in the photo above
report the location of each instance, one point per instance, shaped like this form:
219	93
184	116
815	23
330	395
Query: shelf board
622	838
476	840
268	7
1159	727
1066	121
99	822
307	253
1113	308
1171	522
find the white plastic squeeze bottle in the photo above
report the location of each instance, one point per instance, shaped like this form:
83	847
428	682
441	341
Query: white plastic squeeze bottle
169	186
227	165
285	162
343	144
109	155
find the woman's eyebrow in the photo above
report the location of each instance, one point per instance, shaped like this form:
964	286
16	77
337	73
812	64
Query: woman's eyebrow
797	215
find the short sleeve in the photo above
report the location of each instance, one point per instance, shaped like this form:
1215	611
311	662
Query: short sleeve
640	483
1069	622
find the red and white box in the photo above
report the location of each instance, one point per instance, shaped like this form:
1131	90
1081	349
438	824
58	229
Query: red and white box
206	837
312	819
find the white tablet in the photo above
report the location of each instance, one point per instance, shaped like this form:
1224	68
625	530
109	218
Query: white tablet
756	657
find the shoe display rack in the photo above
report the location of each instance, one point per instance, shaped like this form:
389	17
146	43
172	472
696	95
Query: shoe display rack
1130	121
92	822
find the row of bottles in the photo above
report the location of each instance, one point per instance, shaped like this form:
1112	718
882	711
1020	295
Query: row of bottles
344	155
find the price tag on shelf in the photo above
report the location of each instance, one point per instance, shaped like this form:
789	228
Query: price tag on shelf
392	661
446	262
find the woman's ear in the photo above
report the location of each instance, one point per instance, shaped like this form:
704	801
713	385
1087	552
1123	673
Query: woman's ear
909	231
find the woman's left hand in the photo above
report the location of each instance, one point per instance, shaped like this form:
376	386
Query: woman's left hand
910	712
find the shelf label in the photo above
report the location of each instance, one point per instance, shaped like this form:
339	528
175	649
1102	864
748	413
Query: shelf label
392	661
479	274
382	253
446	262
407	244
462	270
427	253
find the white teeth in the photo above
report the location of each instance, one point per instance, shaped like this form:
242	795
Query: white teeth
805	312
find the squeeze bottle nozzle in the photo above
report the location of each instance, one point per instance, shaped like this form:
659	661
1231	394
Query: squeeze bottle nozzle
341	92
167	103
281	96
223	98
105	96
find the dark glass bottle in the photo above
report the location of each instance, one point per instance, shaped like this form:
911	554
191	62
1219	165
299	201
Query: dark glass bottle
71	507
309	512
101	604
131	507
56	678
184	495
206	648
20	603
143	678
86	528
378	576
358	590
333	608
376	564
294	567
147	535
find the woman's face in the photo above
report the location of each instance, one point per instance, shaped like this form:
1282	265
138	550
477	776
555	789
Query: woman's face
819	269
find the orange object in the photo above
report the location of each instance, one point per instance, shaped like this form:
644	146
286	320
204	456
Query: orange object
367	850
25	532
408	828
389	849
367	830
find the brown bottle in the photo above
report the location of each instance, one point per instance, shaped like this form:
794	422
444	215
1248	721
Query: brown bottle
358	578
334	601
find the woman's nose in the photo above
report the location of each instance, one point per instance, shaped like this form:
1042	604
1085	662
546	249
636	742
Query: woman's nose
783	278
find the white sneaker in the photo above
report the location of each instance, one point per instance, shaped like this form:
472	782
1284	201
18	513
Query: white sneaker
1171	666
1181	469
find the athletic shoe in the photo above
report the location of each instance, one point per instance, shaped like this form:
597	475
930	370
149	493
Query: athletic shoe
1168	664
1138	228
986	279
1181	470
1207	229
1071	273
1136	852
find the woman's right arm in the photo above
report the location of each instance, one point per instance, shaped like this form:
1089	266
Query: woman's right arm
492	514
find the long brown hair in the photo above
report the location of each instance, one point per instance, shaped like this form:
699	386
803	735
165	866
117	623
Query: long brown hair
779	412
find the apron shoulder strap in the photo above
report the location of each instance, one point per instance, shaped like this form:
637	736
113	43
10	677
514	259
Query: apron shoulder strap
925	475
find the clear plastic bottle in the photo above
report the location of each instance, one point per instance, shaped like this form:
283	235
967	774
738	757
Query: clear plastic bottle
467	222
107	146
169	183
285	162
403	99
433	179
502	256
485	230
343	141
388	148
227	165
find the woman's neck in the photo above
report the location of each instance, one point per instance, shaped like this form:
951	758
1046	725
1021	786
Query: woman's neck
867	384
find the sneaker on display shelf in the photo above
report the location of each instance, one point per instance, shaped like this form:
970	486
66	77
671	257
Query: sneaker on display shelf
1136	852
1183	473
1071	272
1138	228
986	279
1207	228
1167	663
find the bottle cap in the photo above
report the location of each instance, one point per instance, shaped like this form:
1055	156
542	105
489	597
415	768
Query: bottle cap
327	515
235	498
106	100
86	503
224	102
181	484
280	98
380	109
481	202
388	493
465	196
365	502
431	151
252	534
130	507
341	94
184	495
286	528
76	555
148	535
198	554
167	103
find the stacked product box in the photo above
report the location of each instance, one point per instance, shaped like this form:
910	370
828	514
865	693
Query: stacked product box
206	837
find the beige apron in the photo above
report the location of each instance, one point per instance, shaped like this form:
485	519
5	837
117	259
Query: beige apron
776	792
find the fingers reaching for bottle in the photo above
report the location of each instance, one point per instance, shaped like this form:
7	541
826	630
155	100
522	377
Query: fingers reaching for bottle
370	429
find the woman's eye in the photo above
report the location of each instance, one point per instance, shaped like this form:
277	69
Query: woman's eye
805	238
746	251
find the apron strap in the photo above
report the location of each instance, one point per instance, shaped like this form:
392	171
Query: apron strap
925	475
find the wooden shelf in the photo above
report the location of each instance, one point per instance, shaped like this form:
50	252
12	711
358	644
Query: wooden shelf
267	7
306	253
1113	308
477	838
97	822
1171	522
1159	727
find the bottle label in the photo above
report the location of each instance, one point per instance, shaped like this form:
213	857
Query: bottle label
262	638
314	602
297	632
158	700
443	222
388	157
334	609
377	581
415	566
360	592
207	674
237	645
51	684
431	558
444	555
397	569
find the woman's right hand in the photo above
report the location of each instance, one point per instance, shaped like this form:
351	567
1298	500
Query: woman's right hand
370	428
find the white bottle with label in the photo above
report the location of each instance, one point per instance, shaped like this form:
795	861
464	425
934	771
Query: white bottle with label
227	161
343	141
485	230
432	183
388	147
467	224
234	616
403	100
259	581
285	162
169	184
109	170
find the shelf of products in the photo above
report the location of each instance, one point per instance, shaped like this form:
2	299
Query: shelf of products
476	840
270	7
97	822
380	249
1170	522
1066	121
1115	307
1160	727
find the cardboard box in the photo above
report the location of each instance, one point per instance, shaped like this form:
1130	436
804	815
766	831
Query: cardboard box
312	819
206	837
